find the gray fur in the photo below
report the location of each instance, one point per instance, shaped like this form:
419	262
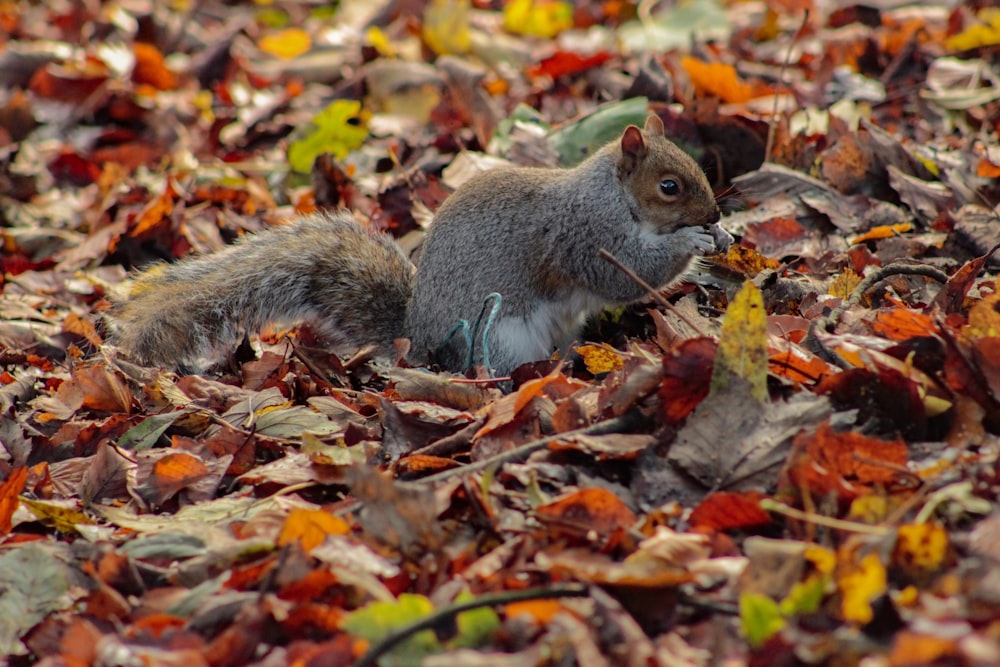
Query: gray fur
351	284
533	235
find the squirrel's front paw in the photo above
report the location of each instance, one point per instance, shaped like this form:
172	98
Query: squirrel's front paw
697	240
721	237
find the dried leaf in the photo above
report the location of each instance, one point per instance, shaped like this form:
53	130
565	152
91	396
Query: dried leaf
310	528
742	351
717	79
10	492
600	358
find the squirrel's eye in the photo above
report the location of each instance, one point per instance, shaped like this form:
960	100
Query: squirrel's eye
670	187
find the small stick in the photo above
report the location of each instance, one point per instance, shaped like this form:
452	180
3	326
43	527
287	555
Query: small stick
448	613
653	292
781	80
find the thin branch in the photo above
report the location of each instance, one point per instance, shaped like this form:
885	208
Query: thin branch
653	292
781	80
448	613
769	505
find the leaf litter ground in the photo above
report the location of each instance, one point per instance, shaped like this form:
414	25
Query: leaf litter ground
796	460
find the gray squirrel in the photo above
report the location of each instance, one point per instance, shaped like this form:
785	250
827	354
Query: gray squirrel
529	235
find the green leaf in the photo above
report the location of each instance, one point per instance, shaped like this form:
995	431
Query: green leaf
377	619
147	433
338	129
475	627
805	596
577	140
761	618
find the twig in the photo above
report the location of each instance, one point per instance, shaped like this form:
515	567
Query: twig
613	425
447	613
829	323
653	292
769	505
781	80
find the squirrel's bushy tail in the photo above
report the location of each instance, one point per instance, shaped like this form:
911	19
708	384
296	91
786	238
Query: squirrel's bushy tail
351	284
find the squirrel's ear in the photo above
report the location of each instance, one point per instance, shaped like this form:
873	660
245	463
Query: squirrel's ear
633	148
654	125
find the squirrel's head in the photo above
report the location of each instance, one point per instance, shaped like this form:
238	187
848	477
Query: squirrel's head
668	186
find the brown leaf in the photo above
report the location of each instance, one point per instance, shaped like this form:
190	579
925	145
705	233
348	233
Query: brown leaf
103	389
589	511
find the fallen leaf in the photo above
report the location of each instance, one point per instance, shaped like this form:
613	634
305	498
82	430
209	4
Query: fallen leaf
717	79
286	44
10	492
310	528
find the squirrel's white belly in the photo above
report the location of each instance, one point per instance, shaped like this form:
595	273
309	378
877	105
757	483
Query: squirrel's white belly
548	327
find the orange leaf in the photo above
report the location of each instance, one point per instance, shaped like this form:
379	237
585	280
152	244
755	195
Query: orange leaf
902	324
82	327
717	80
151	68
589	510
687	374
178	470
310	528
155	215
882	232
910	648
725	510
10	491
542	611
844	462
986	169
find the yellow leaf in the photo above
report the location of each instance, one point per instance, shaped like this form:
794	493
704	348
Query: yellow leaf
871	509
984	318
310	528
64	519
538	18
921	548
743	343
843	285
860	583
286	44
599	358
986	33
378	39
824	560
446	26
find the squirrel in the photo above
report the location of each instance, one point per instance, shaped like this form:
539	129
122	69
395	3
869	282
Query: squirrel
529	235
